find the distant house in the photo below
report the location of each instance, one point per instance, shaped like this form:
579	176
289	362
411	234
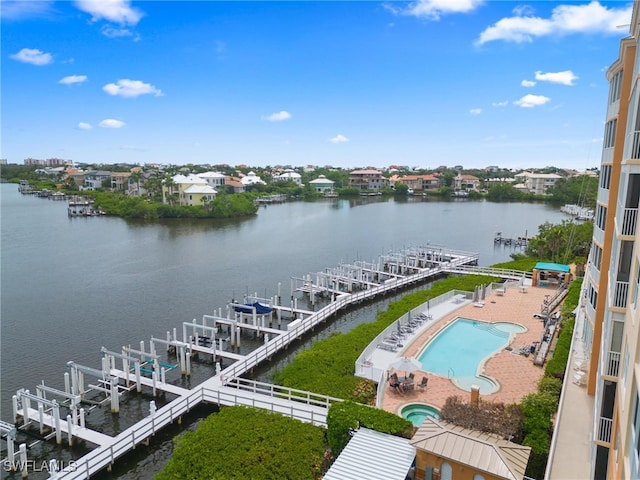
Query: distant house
198	195
120	181
447	451
367	179
176	190
213	179
418	183
251	179
466	182
234	185
94	179
537	183
290	175
322	184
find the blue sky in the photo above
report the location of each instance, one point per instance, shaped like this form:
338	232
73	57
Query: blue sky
349	84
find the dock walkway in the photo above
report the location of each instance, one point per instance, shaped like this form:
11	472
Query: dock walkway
227	388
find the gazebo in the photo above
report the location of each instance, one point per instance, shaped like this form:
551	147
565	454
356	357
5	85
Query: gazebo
546	274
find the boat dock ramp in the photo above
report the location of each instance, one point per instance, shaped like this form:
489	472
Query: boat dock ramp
143	367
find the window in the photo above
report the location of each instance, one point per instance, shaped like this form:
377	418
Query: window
596	256
634	440
605	177
636	286
610	133
614	87
601	216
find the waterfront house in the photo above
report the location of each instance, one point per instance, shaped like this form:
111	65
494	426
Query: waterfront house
290	175
537	183
95	179
417	183
120	181
252	179
175	190
233	185
198	195
322	184
465	182
446	451
369	179
213	179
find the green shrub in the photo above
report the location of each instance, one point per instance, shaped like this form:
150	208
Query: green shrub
345	416
247	443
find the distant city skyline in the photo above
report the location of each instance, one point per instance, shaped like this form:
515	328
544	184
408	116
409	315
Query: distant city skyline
349	84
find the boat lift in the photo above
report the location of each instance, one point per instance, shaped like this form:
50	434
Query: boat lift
108	383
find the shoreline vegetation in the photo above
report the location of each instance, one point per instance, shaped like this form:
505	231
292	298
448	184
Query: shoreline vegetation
327	368
226	204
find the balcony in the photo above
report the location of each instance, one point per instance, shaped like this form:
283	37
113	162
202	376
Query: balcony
629	220
612	365
604	430
620	294
634	147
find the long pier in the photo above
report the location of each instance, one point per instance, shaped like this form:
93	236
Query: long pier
347	285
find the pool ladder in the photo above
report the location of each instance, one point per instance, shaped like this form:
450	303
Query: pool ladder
450	373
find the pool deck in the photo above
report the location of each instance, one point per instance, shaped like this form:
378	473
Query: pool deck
516	374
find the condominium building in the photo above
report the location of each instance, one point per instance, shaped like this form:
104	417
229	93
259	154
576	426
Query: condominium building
608	318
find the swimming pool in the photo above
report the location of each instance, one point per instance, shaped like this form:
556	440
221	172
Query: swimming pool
460	349
417	412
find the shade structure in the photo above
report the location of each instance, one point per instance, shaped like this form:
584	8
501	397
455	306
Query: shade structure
407	364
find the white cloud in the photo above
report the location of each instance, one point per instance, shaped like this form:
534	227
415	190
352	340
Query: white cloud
19	9
116	11
528	83
84	126
338	139
110	31
71	79
475	111
434	9
278	116
530	101
565	20
131	88
33	56
111	123
500	104
566	77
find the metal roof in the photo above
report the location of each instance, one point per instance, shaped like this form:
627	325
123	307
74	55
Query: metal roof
554	267
374	456
479	450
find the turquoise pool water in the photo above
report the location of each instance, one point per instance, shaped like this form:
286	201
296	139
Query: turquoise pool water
459	350
417	412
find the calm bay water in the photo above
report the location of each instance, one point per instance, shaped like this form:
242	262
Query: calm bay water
72	285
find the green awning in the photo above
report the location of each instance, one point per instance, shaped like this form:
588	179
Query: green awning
552	267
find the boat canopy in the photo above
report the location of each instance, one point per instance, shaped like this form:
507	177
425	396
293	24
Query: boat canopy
248	308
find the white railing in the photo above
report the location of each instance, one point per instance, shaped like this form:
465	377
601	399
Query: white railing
495	272
604	430
290	394
613	364
106	455
629	220
620	294
634	145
